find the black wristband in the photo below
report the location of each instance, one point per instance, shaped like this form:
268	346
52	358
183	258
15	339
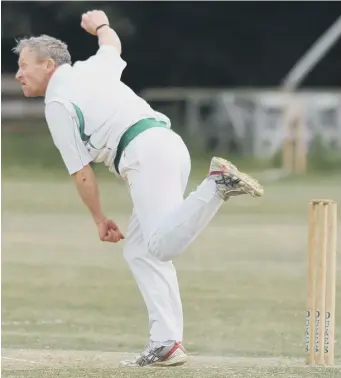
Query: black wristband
98	27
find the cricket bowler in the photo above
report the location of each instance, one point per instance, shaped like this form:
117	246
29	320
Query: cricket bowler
94	117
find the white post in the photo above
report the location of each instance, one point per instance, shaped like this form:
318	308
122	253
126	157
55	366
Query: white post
312	56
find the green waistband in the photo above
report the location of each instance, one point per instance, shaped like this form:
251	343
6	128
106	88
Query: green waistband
132	133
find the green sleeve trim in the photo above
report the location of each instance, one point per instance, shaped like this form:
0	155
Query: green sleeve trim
81	122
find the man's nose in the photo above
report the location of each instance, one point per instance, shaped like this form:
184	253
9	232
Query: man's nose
18	75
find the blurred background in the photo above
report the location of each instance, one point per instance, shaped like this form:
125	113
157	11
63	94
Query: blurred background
222	71
258	83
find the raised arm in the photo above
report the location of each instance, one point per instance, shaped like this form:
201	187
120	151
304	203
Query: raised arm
96	23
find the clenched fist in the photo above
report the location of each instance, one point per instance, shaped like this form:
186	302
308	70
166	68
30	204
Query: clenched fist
108	231
92	20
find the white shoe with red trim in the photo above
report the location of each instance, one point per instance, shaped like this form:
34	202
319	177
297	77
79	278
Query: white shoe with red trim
159	355
231	182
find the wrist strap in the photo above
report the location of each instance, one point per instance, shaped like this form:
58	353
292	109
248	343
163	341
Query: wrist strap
98	27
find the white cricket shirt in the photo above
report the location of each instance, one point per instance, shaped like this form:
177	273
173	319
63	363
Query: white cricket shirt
109	108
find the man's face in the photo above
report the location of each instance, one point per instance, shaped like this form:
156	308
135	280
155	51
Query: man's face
33	73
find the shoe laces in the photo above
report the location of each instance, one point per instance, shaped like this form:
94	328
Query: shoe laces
230	180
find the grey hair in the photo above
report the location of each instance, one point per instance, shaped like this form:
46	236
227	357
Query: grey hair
45	47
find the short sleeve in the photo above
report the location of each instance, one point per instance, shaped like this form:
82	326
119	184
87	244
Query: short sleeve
106	61
66	137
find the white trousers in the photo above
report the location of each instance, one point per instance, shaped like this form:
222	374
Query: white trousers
156	165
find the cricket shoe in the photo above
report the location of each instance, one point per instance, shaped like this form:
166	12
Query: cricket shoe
172	355
231	182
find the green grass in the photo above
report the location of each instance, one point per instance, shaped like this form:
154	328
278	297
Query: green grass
243	284
283	372
70	307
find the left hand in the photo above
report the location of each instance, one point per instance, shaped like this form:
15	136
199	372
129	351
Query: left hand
108	231
92	19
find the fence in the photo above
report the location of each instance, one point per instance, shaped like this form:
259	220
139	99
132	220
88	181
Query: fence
259	123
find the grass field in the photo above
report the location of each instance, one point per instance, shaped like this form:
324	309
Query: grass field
70	307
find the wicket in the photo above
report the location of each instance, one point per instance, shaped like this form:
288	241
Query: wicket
320	315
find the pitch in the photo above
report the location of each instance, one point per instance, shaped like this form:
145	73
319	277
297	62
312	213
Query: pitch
71	308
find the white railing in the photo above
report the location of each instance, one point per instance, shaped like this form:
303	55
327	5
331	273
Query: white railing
254	121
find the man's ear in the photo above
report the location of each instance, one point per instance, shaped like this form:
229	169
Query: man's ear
50	65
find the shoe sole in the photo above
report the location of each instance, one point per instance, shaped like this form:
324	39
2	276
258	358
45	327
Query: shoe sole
247	184
174	361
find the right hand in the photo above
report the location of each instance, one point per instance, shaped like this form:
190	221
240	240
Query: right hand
92	19
108	231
